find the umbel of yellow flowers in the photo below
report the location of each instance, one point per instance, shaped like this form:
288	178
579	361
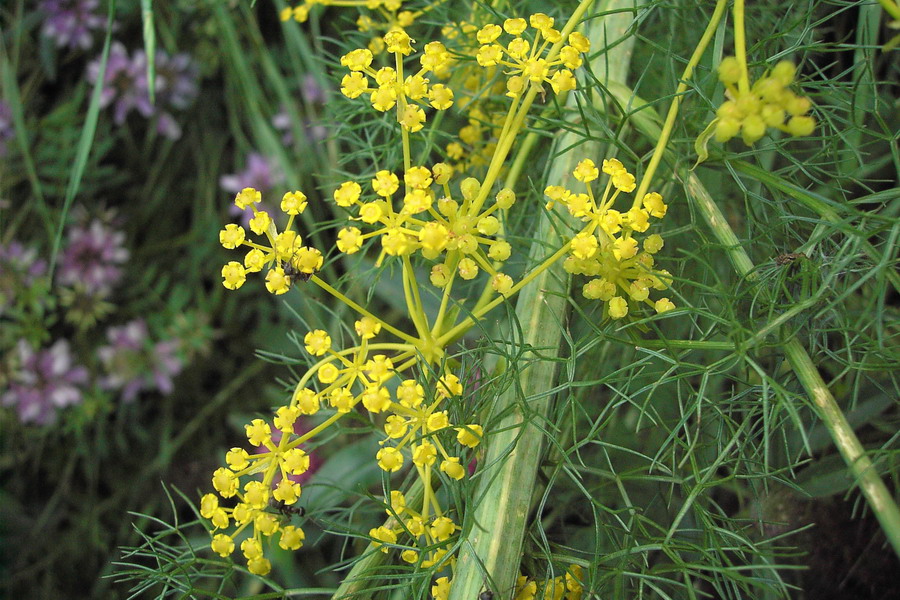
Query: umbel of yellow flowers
750	111
607	248
284	251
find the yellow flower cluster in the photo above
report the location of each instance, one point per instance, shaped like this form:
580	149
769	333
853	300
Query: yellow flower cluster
300	13
391	88
256	499
459	231
428	533
416	426
768	103
391	18
607	249
563	587
531	59
477	139
285	250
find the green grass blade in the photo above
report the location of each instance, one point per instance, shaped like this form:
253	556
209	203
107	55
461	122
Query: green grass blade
87	138
149	46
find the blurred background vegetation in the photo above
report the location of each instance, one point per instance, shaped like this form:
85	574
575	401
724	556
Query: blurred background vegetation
684	458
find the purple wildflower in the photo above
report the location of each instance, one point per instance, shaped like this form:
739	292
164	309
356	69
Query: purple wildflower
311	90
118	82
175	87
314	131
92	257
20	267
71	22
6	126
44	382
135	364
23	261
260	174
125	83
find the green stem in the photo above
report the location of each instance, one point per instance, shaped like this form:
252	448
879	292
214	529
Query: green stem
491	548
387	326
891	8
740	46
663	140
818	204
860	465
358	582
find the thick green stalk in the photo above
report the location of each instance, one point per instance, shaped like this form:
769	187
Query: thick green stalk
491	550
365	574
880	499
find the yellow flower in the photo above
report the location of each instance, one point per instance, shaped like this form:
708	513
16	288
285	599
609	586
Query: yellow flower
664	305
379	368
502	283
384	535
357	60
259	565
286	491
247	197
255	260
586	171
385	183
293	203
425	454
285	417
514	26
584	245
442	528
410	393
452	468
277	282
441	588
295	461
353	85
233	275
232	236
441	96
259	224
291	538
653	202
317	342
399	42
563	81
618	307
222	544
307	401
468	268
469	435
256	494
258	432
395	426
237	459
347	194
389	459
367	328
384	98
376	399
349	240
412	118
341	399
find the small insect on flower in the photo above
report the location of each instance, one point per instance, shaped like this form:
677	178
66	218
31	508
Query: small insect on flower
285	510
292	272
486	595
